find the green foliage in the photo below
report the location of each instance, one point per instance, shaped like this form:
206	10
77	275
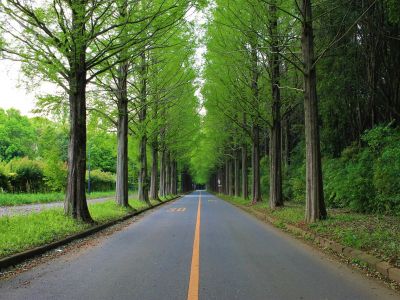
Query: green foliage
4	179
101	181
16	135
55	173
26	175
364	179
393	9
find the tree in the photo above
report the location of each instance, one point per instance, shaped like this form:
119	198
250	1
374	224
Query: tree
59	41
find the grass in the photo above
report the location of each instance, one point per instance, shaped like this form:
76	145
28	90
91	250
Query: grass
376	234
19	199
22	232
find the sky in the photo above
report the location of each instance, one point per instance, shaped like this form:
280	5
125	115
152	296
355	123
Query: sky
14	93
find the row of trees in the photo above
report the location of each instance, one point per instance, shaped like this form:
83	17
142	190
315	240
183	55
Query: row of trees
128	62
261	90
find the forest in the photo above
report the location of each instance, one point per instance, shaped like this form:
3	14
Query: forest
303	104
295	102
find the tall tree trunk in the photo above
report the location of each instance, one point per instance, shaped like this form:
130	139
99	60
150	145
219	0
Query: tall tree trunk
162	173
174	177
315	205
237	174
143	179
245	178
227	177
154	183
122	136
75	204
285	142
275	187
231	177
167	173
256	165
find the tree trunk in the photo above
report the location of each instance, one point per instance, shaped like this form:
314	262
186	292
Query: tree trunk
227	177
237	174
285	142
122	136
143	179
174	178
315	205
245	179
231	177
275	142
75	204
167	174
162	174
256	165
154	184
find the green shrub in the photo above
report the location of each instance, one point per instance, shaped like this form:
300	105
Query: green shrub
365	178
26	175
55	173
386	172
100	181
4	180
348	180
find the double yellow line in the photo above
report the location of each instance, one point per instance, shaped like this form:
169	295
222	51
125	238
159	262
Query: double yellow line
193	292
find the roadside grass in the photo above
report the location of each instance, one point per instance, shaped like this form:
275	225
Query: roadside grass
8	199
22	232
376	234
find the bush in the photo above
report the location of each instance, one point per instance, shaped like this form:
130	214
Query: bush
365	178
4	180
100	181
348	180
26	175
294	181
55	172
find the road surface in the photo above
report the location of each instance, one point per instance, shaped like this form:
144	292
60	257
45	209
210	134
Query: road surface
195	249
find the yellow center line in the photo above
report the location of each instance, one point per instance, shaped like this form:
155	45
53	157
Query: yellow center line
193	292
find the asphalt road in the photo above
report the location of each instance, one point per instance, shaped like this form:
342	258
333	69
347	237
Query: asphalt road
156	257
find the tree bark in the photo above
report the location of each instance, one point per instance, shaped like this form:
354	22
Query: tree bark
227	176
167	174
75	204
122	136
143	179
245	179
315	205
162	174
256	165
237	174
154	183
275	142
231	177
174	182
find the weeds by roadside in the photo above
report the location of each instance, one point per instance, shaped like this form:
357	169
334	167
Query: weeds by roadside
376	234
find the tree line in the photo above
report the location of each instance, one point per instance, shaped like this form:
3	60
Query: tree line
127	64
292	84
